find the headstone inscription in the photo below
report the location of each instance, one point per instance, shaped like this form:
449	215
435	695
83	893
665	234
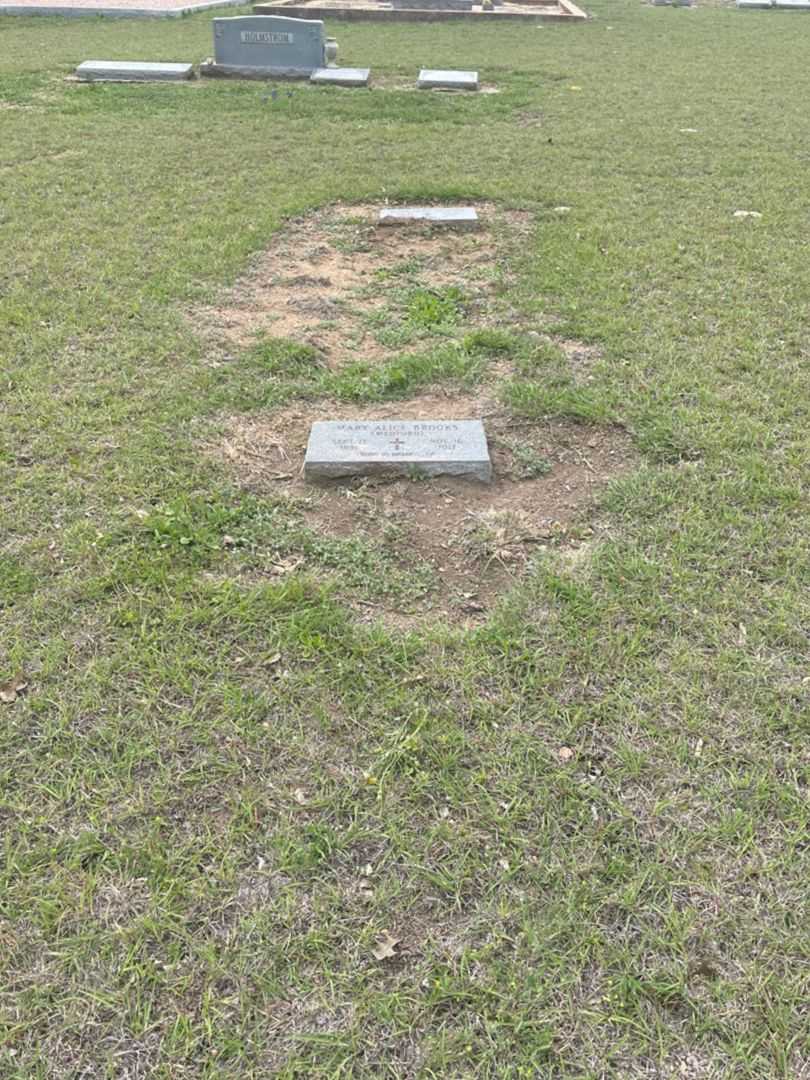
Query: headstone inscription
342	448
132	71
434	79
268	46
454	217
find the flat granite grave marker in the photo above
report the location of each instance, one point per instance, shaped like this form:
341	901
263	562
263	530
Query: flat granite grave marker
434	79
455	217
341	448
268	46
341	76
132	71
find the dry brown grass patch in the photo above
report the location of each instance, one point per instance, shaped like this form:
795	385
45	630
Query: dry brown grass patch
324	275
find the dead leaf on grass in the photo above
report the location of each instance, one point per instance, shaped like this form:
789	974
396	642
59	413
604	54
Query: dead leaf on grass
286	566
386	946
11	690
300	796
565	753
365	886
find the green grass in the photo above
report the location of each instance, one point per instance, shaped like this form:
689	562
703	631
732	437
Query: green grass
220	788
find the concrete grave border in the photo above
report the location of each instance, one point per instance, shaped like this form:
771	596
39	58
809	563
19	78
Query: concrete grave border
564	11
117	13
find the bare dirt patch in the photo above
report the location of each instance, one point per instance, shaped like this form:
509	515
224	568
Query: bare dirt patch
476	539
327	280
530	118
581	358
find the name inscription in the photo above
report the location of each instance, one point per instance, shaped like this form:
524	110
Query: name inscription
392	440
265	37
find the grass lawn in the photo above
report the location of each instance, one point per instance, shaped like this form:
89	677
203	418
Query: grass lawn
578	824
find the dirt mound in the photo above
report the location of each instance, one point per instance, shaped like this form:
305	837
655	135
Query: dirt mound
335	280
476	539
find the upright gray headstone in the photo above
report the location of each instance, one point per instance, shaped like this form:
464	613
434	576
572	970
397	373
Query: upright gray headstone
132	71
267	46
341	448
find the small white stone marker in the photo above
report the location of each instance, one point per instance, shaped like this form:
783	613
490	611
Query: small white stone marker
431	79
341	76
341	448
455	217
132	71
751	5
747	213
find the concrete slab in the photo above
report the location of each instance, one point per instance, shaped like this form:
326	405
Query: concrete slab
344	448
341	76
132	71
454	217
434	79
114	9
